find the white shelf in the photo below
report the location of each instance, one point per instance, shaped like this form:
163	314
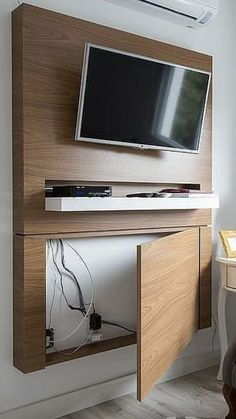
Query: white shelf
129	204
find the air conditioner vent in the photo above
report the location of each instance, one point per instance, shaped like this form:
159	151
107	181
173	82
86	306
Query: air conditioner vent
168	9
206	18
190	13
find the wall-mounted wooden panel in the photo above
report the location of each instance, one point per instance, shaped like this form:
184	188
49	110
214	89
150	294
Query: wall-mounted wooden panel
119	221
49	48
29	303
47	61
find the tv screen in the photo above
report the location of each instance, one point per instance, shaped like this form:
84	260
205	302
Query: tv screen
135	101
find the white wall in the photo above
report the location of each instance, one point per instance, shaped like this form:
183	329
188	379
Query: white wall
17	389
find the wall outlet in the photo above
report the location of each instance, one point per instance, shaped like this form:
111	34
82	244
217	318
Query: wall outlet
49	338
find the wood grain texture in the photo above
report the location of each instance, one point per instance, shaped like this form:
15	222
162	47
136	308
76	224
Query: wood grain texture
108	233
49	48
29	304
18	118
123	221
168	303
47	62
126	407
205	246
91	349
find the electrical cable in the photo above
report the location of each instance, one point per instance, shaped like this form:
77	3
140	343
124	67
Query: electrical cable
108	323
84	263
103	321
52	303
81	299
60	274
58	271
58	288
73	331
74	350
54	288
18	2
91	304
47	263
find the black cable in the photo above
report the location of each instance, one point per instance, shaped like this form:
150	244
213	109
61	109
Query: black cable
82	260
69	271
81	299
105	322
118	325
85	265
60	274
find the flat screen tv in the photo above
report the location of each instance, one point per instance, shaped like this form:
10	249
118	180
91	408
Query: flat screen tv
135	101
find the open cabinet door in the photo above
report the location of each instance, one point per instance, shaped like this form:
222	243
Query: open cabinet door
168	303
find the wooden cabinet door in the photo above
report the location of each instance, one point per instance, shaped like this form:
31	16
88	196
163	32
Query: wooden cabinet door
168	303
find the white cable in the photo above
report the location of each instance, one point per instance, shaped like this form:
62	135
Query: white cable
77	327
56	250
74	350
90	305
52	302
47	263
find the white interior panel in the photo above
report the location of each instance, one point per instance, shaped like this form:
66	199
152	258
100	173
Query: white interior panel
112	262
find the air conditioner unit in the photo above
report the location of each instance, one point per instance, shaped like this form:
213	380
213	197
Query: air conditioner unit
190	13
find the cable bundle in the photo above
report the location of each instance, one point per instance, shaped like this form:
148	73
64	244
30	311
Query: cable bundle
85	312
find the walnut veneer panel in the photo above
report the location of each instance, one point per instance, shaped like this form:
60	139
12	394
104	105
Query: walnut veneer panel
47	61
118	221
18	118
91	349
29	303
205	277
168	303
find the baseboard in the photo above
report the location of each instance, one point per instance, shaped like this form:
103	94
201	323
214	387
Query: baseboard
68	403
192	363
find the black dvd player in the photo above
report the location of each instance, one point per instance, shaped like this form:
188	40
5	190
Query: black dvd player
78	191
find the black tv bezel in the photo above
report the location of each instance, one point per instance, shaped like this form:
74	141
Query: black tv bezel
122	143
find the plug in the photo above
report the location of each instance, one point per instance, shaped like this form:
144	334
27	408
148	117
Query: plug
95	321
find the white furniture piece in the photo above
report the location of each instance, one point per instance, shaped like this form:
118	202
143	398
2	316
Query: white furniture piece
227	284
130	204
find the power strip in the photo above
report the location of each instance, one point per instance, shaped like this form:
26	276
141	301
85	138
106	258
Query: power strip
95	336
